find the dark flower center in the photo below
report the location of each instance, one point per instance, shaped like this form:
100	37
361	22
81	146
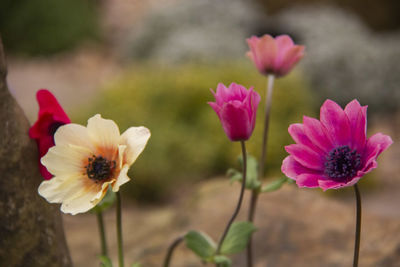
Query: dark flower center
53	127
99	168
342	163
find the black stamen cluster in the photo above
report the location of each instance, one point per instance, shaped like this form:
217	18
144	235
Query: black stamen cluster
342	163
99	168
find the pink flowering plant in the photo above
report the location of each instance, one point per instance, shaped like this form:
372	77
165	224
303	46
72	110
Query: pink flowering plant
85	166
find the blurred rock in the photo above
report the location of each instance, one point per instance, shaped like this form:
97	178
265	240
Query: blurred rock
190	29
344	59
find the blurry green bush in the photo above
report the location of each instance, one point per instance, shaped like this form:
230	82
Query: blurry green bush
187	141
39	27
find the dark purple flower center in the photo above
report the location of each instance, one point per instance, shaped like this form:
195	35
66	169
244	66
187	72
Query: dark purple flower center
53	127
99	168
342	163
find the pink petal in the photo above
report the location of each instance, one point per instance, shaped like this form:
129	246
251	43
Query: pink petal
267	51
235	121
358	123
336	123
290	59
306	156
308	180
326	184
292	169
376	144
296	130
315	131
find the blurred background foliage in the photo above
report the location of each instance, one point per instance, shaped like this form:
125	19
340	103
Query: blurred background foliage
188	142
41	27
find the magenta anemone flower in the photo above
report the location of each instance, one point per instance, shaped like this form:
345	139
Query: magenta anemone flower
51	116
274	55
236	108
333	152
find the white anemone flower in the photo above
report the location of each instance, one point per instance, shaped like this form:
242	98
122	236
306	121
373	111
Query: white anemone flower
85	161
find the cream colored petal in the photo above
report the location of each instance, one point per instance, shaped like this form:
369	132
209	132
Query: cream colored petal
104	133
121	155
122	178
73	134
64	160
135	138
59	188
80	203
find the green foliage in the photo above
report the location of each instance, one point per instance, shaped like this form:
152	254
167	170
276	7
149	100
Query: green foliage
201	244
105	261
237	238
38	27
222	261
275	185
252	181
187	141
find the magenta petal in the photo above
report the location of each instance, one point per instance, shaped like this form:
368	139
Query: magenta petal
326	184
336	123
296	130
291	168
308	180
236	122
306	156
376	144
358	123
315	131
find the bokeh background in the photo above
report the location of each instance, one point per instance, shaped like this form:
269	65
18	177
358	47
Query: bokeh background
152	63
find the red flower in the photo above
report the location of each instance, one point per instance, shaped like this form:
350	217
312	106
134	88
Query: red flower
51	116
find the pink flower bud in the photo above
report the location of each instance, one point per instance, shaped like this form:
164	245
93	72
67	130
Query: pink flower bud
236	108
274	56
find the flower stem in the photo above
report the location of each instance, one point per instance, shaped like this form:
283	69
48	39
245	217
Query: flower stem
171	249
255	192
358	227
103	240
235	213
119	232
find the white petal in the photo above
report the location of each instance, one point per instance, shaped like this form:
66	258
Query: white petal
135	138
81	203
59	188
73	134
66	160
104	133
122	178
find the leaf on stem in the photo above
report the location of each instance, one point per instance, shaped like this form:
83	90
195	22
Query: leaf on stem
222	261
274	185
252	181
237	238
201	244
105	261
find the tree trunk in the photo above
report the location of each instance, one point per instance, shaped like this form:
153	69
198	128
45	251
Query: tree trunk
31	230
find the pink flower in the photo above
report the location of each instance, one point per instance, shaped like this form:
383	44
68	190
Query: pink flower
274	56
236	108
333	152
51	116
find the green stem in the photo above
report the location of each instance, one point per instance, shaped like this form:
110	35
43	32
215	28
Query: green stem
119	232
171	249
103	240
358	227
255	192
235	213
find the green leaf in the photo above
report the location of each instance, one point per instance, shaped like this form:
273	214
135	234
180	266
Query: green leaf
201	244
105	203
274	185
252	181
238	237
223	261
105	261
